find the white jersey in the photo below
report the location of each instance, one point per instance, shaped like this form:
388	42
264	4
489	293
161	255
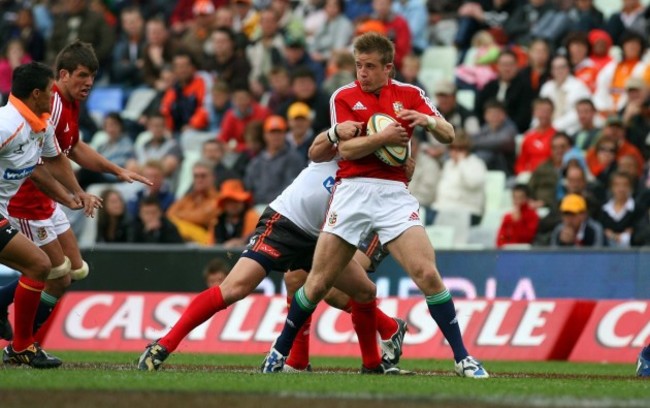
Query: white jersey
305	201
24	138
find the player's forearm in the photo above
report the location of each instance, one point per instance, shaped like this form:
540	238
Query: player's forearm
359	147
442	130
59	167
322	150
48	184
89	159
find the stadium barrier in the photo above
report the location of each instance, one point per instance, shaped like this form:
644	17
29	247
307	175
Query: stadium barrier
531	274
501	329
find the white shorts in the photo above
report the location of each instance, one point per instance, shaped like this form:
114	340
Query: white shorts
42	232
361	205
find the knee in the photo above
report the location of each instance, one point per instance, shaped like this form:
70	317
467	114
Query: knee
40	268
428	279
316	289
366	294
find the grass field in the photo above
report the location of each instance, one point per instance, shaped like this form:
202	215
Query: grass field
110	380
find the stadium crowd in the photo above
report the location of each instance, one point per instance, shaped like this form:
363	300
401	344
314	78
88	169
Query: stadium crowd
217	102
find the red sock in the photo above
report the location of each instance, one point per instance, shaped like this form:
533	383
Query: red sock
204	306
26	300
299	354
386	325
365	324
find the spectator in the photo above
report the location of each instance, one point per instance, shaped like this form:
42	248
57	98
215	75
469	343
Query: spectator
587	133
159	146
416	15
638	128
486	15
537	72
246	19
200	28
158	190
196	212
220	104
564	90
609	96
117	148
543	183
397	29
577	229
313	16
614	129
520	225
184	13
601	43
253	146
279	92
215	272
536	146
265	52
288	22
244	110
582	67
620	214
459	116
183	104
424	183
602	163
334	34
296	57
462	181
129	50
637	94
13	56
305	89
477	68
632	17
213	154
494	143
112	219
23	28
526	20
342	69
300	135
237	220
410	70
585	16
77	21
158	51
578	180
276	166
509	88
628	165
226	63
152	227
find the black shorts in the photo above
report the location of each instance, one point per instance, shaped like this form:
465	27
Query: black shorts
7	232
373	249
280	245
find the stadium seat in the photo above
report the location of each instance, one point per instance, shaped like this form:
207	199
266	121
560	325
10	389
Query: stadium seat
485	236
103	100
138	101
495	187
437	62
441	236
88	235
609	7
185	174
459	220
465	98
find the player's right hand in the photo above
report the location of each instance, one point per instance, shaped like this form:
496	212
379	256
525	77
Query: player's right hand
348	129
395	134
90	203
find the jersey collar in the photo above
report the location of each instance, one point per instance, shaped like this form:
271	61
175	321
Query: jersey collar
38	124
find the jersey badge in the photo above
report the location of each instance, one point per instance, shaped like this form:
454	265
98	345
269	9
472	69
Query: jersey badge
397	106
333	217
41	233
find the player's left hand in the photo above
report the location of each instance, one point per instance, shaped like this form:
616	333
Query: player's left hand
131	176
90	203
414	118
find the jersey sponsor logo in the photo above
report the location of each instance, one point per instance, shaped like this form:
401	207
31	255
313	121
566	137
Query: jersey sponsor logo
18	174
333	217
329	184
359	106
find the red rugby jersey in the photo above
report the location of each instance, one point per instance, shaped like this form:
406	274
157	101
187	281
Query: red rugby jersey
351	103
29	202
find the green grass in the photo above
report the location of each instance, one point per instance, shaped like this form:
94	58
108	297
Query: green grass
550	383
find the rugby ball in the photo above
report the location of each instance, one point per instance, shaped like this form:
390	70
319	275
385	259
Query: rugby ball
393	155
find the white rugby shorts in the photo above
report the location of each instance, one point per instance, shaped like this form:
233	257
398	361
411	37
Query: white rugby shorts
42	232
361	205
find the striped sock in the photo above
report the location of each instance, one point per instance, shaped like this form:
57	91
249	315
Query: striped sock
442	309
300	310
